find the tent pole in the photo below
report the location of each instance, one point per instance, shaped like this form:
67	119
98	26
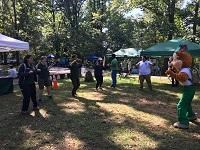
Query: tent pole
17	57
5	58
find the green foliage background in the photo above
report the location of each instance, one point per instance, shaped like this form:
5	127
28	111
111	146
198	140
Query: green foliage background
93	26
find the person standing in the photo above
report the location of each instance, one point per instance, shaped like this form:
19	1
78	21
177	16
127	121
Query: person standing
144	67
43	77
174	81
98	72
124	67
75	66
129	66
27	78
114	69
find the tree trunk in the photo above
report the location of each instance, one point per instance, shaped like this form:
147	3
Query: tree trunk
171	11
195	20
15	28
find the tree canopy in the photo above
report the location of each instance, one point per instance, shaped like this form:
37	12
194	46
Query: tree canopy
94	26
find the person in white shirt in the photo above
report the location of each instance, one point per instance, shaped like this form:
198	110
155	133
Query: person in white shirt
144	67
12	72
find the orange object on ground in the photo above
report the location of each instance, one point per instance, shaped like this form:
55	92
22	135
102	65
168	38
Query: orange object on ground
55	84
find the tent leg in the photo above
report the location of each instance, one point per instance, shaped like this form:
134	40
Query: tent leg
5	58
17	57
1	56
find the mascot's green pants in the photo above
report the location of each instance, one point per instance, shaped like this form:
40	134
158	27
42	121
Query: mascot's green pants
184	108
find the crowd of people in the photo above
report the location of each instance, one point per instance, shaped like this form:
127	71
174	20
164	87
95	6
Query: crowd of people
29	74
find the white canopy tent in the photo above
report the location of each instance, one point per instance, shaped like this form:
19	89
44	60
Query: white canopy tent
8	44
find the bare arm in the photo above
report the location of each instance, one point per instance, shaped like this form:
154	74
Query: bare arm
104	61
137	64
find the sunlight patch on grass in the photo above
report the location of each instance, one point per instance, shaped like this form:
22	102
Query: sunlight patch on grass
72	143
34	137
83	85
96	96
130	139
145	102
174	93
73	107
196	97
48	147
159	79
125	111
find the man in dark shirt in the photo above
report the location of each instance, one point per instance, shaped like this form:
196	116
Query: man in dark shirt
75	66
43	77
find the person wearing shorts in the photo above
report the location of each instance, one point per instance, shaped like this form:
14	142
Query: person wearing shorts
43	77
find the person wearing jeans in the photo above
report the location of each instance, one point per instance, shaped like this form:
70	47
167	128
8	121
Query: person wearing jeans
114	69
144	72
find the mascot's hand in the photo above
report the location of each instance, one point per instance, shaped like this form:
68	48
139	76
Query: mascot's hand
170	73
174	69
182	77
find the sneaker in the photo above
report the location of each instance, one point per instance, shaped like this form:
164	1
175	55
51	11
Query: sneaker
101	88
180	126
194	118
113	86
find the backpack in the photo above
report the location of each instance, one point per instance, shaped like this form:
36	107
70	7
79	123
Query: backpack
195	76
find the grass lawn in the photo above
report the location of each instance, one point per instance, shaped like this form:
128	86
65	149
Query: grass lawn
120	118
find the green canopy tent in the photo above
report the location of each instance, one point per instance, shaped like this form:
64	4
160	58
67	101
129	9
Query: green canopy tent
129	52
169	47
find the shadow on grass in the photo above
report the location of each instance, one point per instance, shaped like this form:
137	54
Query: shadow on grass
82	123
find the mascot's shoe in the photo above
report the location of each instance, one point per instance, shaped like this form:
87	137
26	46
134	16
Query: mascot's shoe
180	126
193	118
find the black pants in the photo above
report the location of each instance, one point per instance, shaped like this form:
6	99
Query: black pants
76	85
28	92
99	80
174	82
148	80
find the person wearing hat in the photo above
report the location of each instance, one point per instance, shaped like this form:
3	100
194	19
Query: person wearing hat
98	72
